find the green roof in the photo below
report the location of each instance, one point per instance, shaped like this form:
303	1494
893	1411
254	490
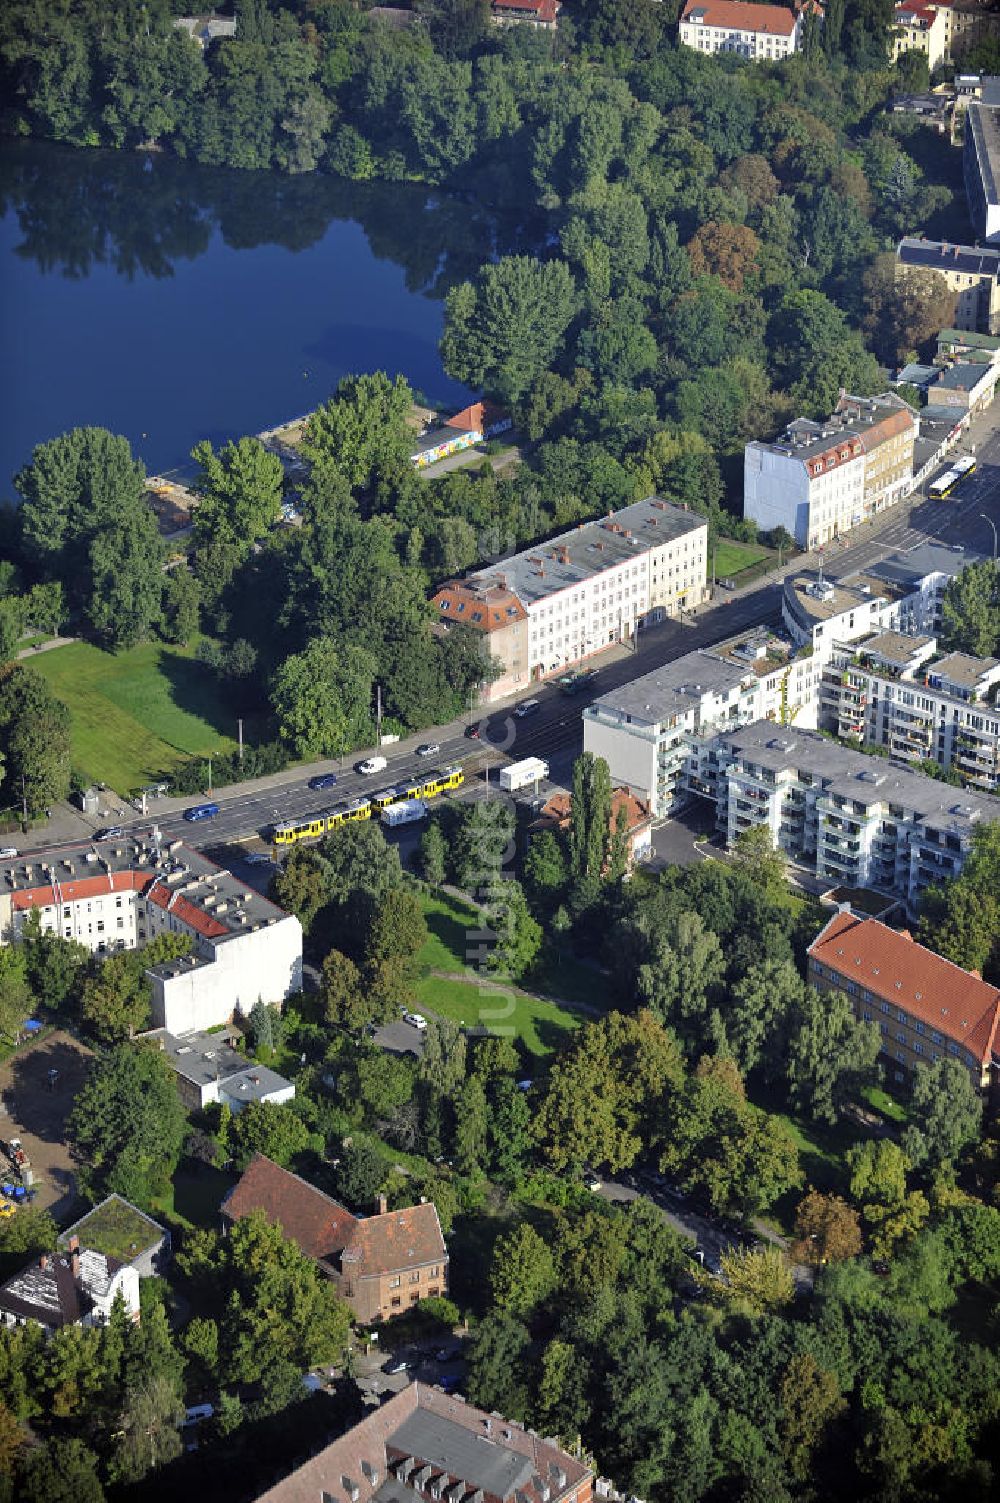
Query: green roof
969	337
116	1229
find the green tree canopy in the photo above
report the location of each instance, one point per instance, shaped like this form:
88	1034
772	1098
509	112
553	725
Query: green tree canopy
127	1125
502	332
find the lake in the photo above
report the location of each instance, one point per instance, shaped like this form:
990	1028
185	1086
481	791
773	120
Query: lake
171	302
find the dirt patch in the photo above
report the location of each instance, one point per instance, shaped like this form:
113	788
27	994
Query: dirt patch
34	1109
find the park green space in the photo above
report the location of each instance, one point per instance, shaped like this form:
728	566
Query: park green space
732	558
135	714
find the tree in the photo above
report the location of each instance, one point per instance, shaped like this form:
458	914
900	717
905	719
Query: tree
270	1128
433	854
503	331
970	610
181	605
471	1126
590	816
148	1431
55	965
302	886
35	734
361	1173
831	1055
126	582
518	936
60	1471
444	1057
13	1441
322	698
498	1367
810	1402
15	998
961	919
726	251
345	999
878	1173
24	1236
116	999
757	1281
946	1114
240	492
827	1230
127	1125
685	967
384	1082
362	431
761	1003
755	853
482	839
522	1272
904	312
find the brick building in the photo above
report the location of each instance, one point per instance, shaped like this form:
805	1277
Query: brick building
423	1445
926	1007
380	1264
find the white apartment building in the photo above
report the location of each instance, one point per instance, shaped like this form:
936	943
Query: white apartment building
120	895
819	480
758	32
899	693
854	819
556	604
644	729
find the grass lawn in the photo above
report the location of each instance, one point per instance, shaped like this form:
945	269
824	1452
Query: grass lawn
138	713
448	922
890	1107
731	558
558	974
195	1196
822	1153
540	1025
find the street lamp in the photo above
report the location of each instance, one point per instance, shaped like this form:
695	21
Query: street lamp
994	526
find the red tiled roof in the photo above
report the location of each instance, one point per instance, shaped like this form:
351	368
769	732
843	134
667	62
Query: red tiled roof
559	809
738	15
545	10
319	1224
395	1240
893	967
484	610
189	913
479	415
46	895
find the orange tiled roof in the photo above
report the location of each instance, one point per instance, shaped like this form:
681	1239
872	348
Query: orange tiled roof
320	1225
486	609
559	808
189	913
49	894
893	967
395	1240
737	15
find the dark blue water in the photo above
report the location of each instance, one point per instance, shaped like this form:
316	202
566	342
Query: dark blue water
171	302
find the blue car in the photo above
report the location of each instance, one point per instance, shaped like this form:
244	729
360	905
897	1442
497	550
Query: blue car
323	780
201	811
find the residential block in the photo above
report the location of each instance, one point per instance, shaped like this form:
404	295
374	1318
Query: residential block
758	32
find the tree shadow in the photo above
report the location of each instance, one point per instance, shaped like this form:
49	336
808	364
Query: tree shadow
450	932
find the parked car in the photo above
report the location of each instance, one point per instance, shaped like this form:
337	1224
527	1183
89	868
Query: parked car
323	780
592	1182
399	1365
428	749
201	811
416	1020
525	708
8	852
110	832
259	858
473	733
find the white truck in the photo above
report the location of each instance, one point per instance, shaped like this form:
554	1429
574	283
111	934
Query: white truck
522	774
408	813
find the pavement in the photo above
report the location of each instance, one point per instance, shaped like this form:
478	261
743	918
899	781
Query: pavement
249	810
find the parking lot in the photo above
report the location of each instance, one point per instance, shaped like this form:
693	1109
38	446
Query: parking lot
34	1108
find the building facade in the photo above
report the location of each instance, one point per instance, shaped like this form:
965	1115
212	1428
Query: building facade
919	27
980	167
898	693
926	1008
77	1287
210	1070
757	32
818	480
425	1445
554	605
852	818
120	895
543	14
971	272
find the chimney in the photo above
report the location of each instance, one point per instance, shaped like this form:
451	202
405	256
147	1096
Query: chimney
43	1261
383	1205
74	1261
73	1244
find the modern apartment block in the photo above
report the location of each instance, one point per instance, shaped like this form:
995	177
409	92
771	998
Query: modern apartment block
819	480
120	895
981	169
898	692
927	1009
644	729
853	818
425	1446
972	272
757	32
555	604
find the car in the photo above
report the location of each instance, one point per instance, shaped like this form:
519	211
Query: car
592	1183
195	1414
7	1210
110	832
450	1382
323	780
201	811
8	852
428	749
525	1085
525	708
473	733
259	858
416	1020
370	765
399	1365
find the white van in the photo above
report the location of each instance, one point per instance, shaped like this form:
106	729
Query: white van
372	764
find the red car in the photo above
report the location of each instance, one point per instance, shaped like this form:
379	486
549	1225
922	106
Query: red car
472	733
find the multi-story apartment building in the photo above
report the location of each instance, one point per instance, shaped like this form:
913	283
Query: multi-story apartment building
971	272
757	32
898	693
644	729
557	603
542	14
920	27
425	1445
381	1265
819	480
853	818
981	168
121	894
927	1009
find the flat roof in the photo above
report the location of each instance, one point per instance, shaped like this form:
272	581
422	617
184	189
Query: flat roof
674	688
204	1058
908	570
588	550
866	779
814	599
981	125
867	421
893	646
969	337
963	669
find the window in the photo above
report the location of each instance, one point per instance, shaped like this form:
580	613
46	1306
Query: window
415	1276
394	1281
395	1302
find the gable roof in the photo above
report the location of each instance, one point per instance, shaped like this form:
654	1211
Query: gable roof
893	967
484	607
320	1225
739	15
395	1240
